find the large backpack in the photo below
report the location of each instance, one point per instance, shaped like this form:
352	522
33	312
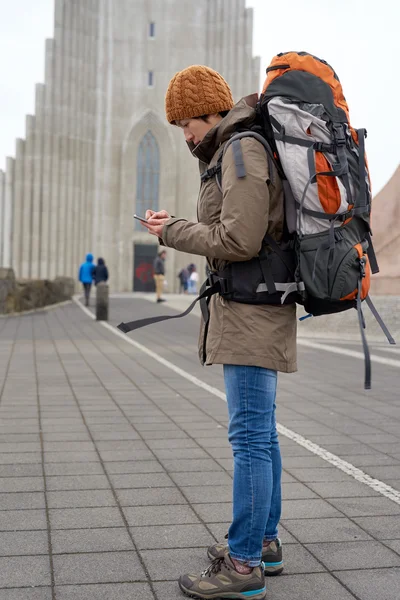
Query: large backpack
326	257
322	160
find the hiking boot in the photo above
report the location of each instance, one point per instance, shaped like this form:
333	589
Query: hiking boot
221	580
271	556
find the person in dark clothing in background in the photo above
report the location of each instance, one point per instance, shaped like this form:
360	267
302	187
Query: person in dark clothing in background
86	276
159	274
183	277
100	272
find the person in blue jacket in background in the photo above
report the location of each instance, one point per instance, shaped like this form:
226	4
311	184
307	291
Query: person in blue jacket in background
86	271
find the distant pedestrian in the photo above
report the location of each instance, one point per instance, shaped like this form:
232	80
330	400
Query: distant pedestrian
159	274
100	272
86	276
193	281
183	277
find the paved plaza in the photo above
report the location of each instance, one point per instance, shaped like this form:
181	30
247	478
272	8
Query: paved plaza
116	473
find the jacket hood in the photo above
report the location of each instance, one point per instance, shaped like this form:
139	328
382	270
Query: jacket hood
242	115
100	261
89	257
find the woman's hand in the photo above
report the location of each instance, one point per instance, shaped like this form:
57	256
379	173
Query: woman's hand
156	221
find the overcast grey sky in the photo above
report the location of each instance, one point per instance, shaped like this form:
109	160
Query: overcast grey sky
359	38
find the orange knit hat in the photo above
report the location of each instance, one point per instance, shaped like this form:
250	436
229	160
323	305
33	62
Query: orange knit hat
197	91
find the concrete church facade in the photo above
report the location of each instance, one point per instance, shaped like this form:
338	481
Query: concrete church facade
99	148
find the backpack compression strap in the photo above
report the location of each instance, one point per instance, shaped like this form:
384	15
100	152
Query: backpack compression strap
205	293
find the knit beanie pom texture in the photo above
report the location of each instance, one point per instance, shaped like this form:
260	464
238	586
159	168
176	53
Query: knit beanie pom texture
197	91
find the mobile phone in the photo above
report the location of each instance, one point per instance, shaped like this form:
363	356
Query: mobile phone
140	218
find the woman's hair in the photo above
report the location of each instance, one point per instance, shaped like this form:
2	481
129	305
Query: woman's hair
205	117
100	261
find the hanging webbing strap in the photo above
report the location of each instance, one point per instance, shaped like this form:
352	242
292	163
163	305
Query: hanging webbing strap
380	321
361	320
205	293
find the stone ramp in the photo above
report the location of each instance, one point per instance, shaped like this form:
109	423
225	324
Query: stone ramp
115	470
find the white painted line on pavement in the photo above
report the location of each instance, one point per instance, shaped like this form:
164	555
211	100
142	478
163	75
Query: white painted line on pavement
389	362
377	485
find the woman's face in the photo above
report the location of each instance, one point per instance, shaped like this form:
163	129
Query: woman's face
195	130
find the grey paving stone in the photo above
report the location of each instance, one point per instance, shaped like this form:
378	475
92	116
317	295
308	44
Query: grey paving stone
105	591
394	544
82	436
77	482
225	463
76	518
305	462
155	496
370	460
163	435
41	593
298	560
214	513
321	586
354	555
307	509
19	447
19	571
171	444
342	489
21	484
168	565
139	466
33	470
383	473
78	499
207	494
21	500
159	515
145	480
325	530
90	540
115	436
385	528
21	458
128	455
219	453
18	543
71	446
328	474
367	585
179	453
22	520
104	567
286	478
171	536
89	468
296	491
364	507
70	457
193	465
209	478
121	445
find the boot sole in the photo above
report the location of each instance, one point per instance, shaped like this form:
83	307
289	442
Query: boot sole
268	571
234	595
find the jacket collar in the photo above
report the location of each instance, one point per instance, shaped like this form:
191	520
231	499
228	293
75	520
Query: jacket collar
242	115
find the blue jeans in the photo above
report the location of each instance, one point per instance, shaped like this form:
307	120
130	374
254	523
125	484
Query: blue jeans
251	393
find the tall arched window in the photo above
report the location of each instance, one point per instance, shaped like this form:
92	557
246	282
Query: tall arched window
148	177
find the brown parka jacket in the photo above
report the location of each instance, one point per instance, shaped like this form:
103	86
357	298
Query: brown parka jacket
231	226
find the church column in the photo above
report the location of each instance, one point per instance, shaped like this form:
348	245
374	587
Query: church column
2	203
48	136
8	213
248	48
18	206
37	178
27	198
57	83
65	216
